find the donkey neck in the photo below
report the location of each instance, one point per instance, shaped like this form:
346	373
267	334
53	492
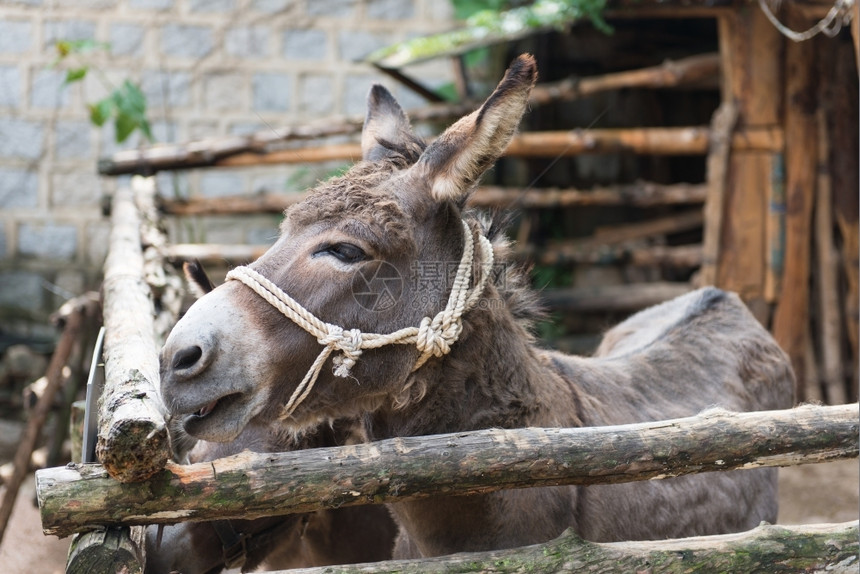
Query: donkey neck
494	376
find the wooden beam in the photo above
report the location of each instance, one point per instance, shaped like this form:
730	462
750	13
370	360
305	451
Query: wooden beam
640	194
76	497
615	298
791	318
669	74
797	549
132	442
658	141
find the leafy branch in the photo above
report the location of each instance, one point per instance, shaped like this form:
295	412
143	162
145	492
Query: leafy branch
125	104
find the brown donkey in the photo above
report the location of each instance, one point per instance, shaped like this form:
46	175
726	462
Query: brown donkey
353	313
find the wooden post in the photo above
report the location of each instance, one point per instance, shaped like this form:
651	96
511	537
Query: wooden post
54	375
845	177
791	318
751	51
133	443
73	498
827	276
722	126
117	549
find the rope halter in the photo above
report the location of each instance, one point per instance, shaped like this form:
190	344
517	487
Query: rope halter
433	337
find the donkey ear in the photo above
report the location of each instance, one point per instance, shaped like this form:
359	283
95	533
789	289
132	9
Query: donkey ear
455	161
385	125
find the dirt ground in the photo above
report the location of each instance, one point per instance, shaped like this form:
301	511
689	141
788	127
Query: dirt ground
808	494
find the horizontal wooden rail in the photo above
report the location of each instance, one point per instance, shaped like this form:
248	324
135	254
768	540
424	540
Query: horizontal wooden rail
796	549
618	298
650	141
640	194
251	485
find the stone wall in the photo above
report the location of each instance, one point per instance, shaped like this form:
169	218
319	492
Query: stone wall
207	67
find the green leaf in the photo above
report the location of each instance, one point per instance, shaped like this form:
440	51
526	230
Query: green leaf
125	126
130	105
102	110
76	74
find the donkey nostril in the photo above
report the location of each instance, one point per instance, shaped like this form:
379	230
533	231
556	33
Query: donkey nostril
187	357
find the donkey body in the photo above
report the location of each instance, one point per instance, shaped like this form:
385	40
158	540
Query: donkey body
235	358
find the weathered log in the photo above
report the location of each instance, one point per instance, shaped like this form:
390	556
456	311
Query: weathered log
118	549
791	317
251	485
620	298
640	194
671	73
39	414
133	443
795	549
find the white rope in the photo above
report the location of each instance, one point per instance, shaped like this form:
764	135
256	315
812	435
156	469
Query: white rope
433	337
839	15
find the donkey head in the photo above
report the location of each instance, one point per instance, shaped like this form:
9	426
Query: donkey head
345	255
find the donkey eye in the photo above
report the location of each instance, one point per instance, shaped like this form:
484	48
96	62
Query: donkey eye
346	252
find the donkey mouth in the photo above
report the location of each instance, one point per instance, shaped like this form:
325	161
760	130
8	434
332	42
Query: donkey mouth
203	422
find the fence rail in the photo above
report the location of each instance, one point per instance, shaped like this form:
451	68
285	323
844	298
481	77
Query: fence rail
251	485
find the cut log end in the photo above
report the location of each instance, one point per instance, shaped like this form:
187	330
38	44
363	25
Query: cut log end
134	450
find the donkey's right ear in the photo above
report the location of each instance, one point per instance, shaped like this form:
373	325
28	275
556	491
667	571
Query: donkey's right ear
386	127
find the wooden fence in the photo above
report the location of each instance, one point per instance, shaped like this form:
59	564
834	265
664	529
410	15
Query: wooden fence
138	485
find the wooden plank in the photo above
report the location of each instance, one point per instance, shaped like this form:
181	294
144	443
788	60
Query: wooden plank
74	497
133	443
791	318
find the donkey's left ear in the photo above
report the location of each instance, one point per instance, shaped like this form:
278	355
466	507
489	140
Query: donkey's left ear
386	126
454	162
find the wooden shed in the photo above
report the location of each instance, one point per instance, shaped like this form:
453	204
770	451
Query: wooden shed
674	144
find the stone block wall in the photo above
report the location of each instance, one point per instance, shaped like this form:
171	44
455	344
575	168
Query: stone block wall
207	68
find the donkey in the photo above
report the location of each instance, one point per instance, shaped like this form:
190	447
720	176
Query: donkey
432	355
326	537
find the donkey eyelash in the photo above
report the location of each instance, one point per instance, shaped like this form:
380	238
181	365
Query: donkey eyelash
344	252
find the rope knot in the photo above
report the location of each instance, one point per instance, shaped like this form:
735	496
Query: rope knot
436	335
348	342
